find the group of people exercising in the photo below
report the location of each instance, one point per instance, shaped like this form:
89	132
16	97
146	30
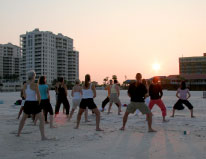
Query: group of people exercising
37	98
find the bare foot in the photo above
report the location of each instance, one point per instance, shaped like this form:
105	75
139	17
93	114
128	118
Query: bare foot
122	128
152	130
98	129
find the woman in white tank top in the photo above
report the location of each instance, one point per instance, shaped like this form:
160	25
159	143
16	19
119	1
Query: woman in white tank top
76	99
183	95
89	92
31	106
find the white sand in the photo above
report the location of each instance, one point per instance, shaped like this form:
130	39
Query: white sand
135	142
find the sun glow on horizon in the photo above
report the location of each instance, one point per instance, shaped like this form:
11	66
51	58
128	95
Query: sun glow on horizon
156	66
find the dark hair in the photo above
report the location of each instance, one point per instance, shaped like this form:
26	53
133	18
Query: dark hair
139	75
61	79
183	85
87	80
42	80
24	82
115	81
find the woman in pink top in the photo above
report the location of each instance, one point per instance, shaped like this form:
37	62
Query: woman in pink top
183	94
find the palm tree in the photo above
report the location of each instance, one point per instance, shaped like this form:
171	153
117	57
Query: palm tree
106	80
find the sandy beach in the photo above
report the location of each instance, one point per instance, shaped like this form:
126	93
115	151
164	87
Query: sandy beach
135	142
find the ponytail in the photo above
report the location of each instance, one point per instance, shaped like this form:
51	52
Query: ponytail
87	80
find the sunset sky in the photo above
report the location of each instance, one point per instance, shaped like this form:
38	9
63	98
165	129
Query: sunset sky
120	37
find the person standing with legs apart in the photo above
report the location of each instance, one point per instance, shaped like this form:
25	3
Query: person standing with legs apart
45	100
62	97
137	93
147	99
106	100
31	106
183	94
77	95
114	97
22	102
89	93
155	93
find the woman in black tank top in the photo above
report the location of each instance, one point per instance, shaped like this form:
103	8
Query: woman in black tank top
62	98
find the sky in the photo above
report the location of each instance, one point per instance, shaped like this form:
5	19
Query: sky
115	37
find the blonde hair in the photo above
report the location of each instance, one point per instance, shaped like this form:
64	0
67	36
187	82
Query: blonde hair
77	81
31	75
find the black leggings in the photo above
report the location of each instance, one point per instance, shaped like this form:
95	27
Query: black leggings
179	104
65	103
47	108
104	103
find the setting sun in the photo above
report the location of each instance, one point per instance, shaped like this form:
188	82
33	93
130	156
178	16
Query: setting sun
156	66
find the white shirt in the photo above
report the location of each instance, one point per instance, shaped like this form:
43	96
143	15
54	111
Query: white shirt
87	93
30	94
183	93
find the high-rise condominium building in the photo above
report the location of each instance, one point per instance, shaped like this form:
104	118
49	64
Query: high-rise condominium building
10	56
48	54
192	65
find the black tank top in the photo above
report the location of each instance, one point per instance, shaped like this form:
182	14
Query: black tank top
61	92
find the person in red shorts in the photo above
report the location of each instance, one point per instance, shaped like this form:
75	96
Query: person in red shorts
155	93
